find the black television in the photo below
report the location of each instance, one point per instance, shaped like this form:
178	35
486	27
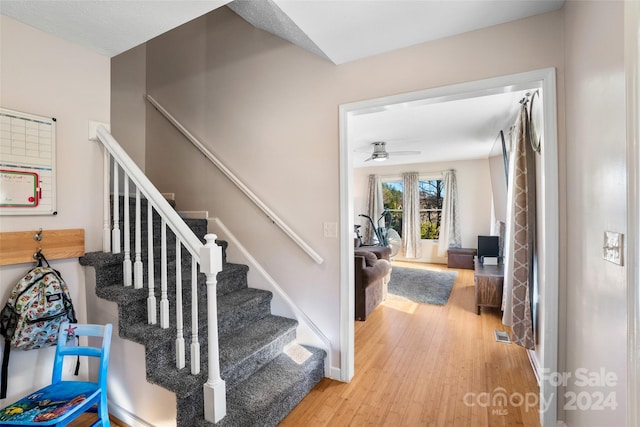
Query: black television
488	246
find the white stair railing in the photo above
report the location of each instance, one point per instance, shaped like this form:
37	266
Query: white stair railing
208	256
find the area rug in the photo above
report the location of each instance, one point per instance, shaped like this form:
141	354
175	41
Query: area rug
423	286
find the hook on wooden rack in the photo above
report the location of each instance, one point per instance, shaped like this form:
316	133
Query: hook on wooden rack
38	236
38	254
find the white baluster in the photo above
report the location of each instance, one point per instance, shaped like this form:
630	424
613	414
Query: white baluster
126	270
151	299
106	227
214	389
195	345
137	265
164	302
180	350
115	233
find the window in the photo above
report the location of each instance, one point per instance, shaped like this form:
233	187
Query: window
431	196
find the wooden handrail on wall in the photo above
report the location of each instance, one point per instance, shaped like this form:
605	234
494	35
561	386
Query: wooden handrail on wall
238	183
18	247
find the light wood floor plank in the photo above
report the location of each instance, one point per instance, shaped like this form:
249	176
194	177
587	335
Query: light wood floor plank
416	363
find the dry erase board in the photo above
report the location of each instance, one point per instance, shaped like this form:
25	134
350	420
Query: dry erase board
27	164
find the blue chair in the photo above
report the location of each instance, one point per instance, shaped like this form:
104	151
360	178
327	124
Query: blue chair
62	401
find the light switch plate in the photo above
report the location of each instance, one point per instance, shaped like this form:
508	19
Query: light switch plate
330	229
612	250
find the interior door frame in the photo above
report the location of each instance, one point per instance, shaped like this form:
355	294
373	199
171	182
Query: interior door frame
549	272
632	76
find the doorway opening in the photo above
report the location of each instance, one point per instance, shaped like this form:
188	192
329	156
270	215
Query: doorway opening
545	356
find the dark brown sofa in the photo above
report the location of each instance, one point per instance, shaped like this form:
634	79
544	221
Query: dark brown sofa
372	268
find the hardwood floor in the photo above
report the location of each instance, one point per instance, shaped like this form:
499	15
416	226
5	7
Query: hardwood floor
87	419
428	365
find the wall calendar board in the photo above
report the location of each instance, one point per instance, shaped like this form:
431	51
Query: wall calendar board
27	164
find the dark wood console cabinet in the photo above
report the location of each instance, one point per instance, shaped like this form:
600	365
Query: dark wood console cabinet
488	285
461	257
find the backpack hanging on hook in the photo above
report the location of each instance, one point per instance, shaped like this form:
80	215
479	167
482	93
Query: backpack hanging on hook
31	318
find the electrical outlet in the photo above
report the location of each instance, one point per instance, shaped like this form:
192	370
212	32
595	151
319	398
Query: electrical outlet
330	229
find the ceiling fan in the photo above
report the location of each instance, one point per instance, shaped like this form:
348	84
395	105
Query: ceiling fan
381	154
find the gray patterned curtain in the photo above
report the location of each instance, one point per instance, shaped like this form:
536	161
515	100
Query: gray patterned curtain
450	222
520	237
411	215
375	206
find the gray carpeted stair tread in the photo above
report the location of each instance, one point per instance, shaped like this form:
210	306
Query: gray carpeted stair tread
230	307
241	308
238	360
101	259
244	351
179	381
120	294
266	397
149	335
109	266
229	304
246	341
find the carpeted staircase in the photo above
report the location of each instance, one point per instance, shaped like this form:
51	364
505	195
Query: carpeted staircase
266	372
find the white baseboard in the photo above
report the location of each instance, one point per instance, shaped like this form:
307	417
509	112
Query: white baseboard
335	374
194	214
126	416
533	359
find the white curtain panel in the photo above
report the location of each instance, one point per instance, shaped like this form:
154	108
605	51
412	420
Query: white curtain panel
507	287
450	222
411	215
375	206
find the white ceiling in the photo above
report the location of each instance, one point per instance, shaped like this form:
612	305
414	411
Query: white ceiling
460	129
107	27
350	30
337	30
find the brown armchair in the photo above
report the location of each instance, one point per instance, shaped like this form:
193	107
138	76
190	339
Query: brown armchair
372	269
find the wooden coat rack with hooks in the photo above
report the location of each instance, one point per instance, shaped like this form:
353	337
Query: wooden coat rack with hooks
18	247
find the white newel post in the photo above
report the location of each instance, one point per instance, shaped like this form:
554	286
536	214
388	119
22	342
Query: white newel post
215	402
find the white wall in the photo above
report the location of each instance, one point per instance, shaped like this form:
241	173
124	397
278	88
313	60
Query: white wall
474	197
596	202
269	110
44	75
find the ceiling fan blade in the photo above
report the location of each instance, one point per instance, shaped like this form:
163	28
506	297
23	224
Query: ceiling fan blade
366	149
404	153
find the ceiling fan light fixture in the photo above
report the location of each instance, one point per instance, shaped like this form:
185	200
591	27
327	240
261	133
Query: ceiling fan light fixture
379	152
